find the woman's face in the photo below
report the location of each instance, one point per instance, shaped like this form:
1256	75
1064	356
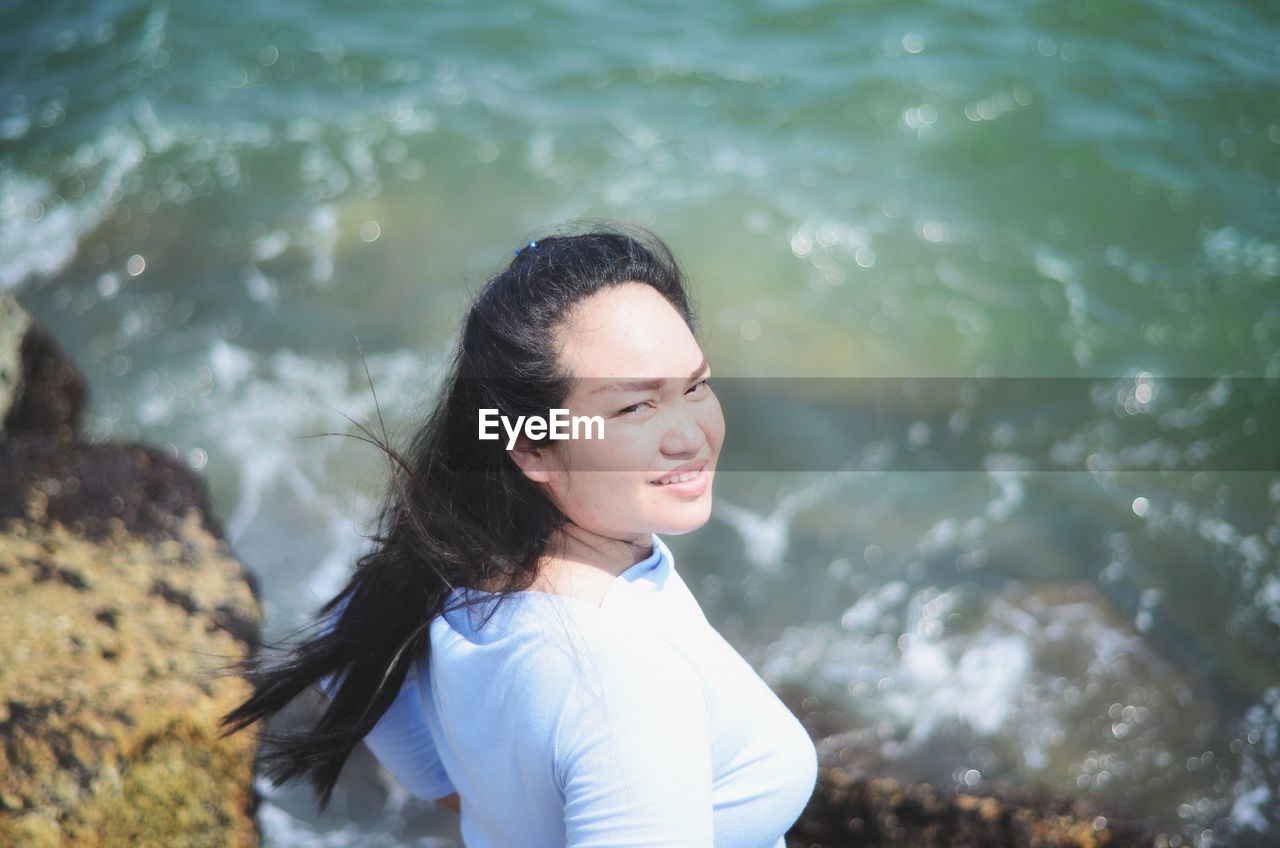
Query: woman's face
610	486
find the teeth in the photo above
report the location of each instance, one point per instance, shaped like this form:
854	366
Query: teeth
679	478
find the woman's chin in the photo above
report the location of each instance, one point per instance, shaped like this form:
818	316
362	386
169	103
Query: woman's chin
675	521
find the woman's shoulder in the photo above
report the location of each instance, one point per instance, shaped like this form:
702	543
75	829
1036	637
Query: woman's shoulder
552	645
577	652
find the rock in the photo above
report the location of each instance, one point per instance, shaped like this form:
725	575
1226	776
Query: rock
851	806
120	608
14	323
92	488
41	390
846	811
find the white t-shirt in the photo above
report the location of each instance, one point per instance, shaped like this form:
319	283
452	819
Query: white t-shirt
633	724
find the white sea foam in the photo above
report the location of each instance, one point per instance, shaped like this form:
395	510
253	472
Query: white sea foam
765	537
402	821
920	663
251	413
1010	494
1254	806
1231	252
41	232
321	239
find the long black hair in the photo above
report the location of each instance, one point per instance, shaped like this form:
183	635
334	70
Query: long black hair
457	512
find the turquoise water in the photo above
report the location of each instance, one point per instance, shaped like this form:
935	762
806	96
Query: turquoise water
209	205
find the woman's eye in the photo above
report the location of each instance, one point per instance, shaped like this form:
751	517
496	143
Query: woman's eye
636	407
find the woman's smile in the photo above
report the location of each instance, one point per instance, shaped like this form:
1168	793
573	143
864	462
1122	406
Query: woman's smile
689	484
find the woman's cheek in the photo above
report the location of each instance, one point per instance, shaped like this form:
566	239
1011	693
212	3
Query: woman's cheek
714	423
631	450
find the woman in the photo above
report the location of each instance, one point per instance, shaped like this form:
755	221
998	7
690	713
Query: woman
520	645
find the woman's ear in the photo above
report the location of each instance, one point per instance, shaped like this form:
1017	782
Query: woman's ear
532	458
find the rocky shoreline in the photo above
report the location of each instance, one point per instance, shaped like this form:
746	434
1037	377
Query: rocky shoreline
855	805
120	600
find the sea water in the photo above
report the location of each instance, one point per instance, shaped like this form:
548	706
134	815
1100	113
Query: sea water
218	208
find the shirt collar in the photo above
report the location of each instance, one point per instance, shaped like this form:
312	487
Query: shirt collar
647	576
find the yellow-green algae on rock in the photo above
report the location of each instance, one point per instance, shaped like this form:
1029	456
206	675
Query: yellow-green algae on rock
108	693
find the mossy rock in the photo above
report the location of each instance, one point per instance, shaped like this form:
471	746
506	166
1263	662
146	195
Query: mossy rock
848	810
41	390
113	653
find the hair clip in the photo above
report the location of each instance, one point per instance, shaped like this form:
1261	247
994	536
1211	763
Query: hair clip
530	244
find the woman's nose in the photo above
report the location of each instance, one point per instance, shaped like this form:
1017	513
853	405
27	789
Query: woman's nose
684	433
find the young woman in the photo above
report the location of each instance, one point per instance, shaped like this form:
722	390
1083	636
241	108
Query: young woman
519	645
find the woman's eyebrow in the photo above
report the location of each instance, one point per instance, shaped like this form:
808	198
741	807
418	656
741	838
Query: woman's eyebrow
646	385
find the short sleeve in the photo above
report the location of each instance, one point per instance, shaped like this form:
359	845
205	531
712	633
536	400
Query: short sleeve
402	742
633	752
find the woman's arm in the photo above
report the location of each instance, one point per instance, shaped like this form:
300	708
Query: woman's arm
453	802
402	743
401	740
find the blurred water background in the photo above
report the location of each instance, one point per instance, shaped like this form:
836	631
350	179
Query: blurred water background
207	204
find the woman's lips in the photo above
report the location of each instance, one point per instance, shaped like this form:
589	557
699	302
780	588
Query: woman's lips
688	467
689	488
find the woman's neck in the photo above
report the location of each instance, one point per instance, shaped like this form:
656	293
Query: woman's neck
577	549
583	565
